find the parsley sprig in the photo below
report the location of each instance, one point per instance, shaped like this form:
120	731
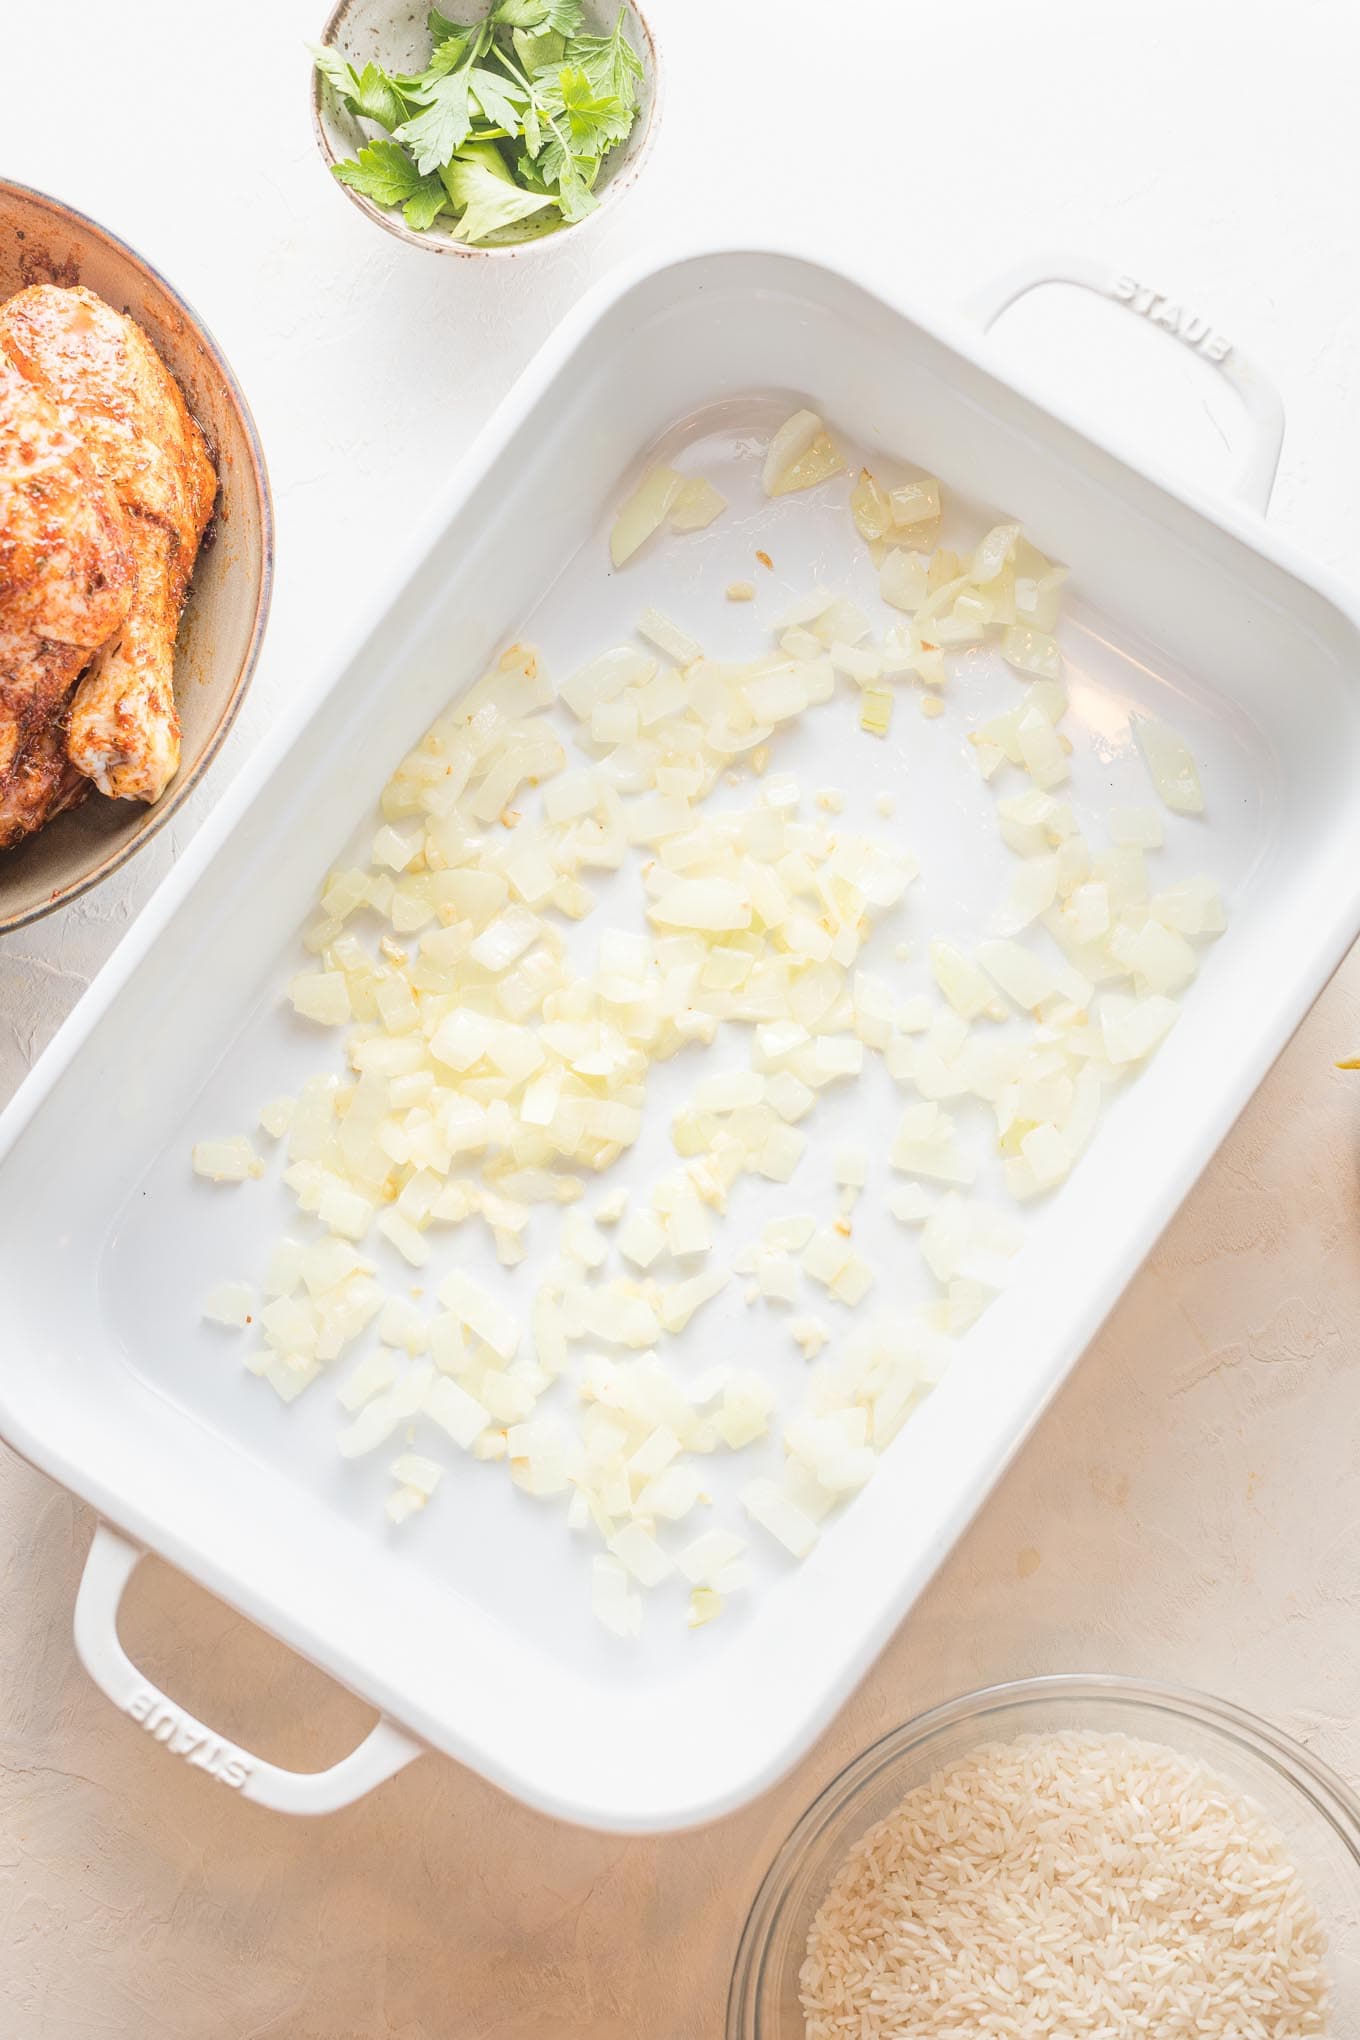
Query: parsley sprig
503	133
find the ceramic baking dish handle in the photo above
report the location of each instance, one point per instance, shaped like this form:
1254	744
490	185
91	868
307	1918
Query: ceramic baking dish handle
109	1567
1264	411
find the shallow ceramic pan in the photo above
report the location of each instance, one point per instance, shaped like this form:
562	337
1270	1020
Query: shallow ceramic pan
44	241
472	1635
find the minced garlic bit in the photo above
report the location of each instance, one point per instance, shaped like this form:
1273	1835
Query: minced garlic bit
741	591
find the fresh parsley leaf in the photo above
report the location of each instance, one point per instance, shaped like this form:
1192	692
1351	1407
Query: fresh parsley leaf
499	98
441	28
377	97
464	46
612	65
442	92
370	93
424	205
485	156
384	172
333	69
446	119
594	120
486	201
526	173
562	15
538	52
574	194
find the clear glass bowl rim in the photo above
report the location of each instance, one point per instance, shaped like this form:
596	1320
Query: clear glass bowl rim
1325	1789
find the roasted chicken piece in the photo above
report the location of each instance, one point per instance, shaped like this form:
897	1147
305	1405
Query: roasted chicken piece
114	392
66	579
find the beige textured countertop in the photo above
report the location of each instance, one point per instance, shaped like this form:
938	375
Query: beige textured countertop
1187	1508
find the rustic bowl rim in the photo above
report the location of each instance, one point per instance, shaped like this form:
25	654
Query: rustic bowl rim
183	785
391	220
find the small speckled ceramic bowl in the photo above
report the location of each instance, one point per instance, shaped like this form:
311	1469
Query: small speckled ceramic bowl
220	632
393	33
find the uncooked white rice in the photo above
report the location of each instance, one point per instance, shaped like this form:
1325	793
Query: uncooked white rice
1067	1887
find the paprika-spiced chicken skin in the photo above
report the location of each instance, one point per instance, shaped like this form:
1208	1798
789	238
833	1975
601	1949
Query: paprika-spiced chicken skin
67	576
113	392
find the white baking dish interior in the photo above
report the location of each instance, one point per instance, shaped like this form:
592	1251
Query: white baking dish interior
472	1626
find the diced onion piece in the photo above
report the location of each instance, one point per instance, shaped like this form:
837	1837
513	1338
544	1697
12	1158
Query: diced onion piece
230	1303
876	709
766	1503
696	505
853	1282
870	507
641	1554
821	459
1031	651
713	905
668	637
789	445
409	1243
367	1378
232	1160
809	1334
641	1238
485	1316
403	1503
414	1470
1022	976
909	1204
613	1602
378	1419
925	1145
775	697
647	508
993	553
915	502
780	1153
967	988
1192	906
605	678
277	1116
461	1415
682	1299
1132	1028
903	580
704	1606
1170	765
670	1494
703	1560
1161	959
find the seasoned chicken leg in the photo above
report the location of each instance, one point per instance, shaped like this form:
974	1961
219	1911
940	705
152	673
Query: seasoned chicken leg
113	390
66	579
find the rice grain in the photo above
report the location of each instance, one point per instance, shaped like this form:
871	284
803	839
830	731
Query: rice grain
1077	1886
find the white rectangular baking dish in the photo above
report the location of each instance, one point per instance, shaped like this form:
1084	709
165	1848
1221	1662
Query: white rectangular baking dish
471	1645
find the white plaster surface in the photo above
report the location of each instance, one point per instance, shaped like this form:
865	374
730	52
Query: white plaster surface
1188	1508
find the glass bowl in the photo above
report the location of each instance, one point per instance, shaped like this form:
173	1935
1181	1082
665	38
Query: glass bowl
1317	1813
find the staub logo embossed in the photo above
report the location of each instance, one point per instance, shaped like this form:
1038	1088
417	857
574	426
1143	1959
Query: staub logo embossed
1187	326
187	1738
